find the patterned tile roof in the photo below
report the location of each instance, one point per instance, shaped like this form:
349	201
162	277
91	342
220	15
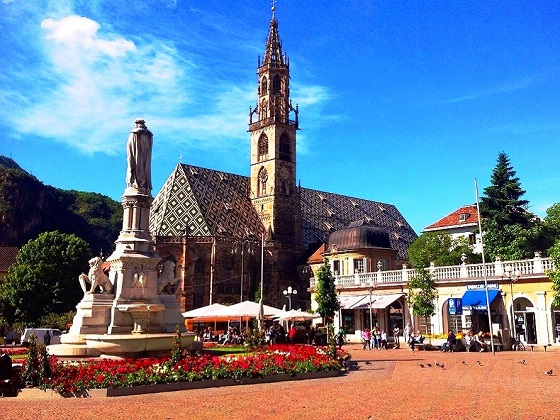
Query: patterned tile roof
7	257
208	202
324	212
463	216
214	202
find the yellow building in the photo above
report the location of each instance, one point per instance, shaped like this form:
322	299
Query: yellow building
532	317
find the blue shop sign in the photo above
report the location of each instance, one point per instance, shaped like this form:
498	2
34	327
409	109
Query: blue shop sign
455	306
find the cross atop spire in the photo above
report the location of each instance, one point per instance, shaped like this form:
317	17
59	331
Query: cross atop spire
273	8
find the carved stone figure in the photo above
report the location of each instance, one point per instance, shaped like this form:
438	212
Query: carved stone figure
96	277
139	157
139	280
166	280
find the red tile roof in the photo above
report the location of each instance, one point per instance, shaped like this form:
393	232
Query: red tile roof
7	257
463	216
317	257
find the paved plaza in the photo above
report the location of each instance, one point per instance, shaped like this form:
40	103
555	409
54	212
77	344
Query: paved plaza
386	384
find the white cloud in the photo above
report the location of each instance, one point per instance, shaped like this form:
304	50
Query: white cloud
99	82
78	32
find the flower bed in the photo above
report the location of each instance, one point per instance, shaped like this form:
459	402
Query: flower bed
78	377
17	351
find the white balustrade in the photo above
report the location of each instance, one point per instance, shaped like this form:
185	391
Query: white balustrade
538	265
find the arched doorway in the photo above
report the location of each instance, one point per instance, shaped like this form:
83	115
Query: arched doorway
525	322
396	316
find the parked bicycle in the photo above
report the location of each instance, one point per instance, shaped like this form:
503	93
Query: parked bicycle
518	344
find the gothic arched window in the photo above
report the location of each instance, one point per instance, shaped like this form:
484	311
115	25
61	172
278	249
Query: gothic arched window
285	147
263	177
264	86
276	84
263	147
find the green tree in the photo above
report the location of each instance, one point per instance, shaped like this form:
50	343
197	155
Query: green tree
326	297
422	294
510	231
441	249
44	278
551	226
554	275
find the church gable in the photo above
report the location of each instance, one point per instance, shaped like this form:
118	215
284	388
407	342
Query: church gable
175	207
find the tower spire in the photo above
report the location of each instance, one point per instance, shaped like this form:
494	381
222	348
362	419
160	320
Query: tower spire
273	53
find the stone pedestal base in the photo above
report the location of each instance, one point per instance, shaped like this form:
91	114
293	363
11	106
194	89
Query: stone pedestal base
93	314
172	314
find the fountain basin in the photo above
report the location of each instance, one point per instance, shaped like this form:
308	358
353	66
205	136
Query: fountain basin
135	344
142	314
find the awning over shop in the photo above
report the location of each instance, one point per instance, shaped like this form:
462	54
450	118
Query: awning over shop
476	299
377	301
382	301
351	301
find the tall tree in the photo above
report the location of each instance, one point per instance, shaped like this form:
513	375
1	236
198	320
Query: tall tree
326	297
44	278
422	294
510	231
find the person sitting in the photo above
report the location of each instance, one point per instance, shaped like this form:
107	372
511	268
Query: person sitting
419	339
208	335
469	341
450	343
480	341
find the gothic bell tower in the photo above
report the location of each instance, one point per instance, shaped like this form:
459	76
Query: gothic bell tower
273	145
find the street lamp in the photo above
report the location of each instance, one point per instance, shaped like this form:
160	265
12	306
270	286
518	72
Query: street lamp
512	276
242	244
289	292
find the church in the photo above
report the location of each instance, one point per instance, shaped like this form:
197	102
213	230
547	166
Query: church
227	234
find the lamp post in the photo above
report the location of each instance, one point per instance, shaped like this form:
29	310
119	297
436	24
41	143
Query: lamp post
289	292
512	276
244	243
370	314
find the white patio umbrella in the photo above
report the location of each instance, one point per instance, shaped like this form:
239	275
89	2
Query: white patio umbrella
248	309
204	311
298	315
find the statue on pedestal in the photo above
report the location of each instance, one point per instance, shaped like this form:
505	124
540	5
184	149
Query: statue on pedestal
139	157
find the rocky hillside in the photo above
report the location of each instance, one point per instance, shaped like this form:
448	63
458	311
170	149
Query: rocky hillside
28	207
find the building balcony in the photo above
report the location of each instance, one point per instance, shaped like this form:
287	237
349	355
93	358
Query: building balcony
463	273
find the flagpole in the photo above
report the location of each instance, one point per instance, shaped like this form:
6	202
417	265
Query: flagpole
261	307
212	262
484	268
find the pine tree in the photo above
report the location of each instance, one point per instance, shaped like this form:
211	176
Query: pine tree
503	203
510	231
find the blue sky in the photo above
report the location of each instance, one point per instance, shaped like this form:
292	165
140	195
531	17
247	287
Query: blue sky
400	102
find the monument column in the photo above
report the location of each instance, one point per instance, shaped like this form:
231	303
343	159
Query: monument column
134	315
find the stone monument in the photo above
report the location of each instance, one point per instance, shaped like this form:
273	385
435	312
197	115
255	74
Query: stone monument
132	314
